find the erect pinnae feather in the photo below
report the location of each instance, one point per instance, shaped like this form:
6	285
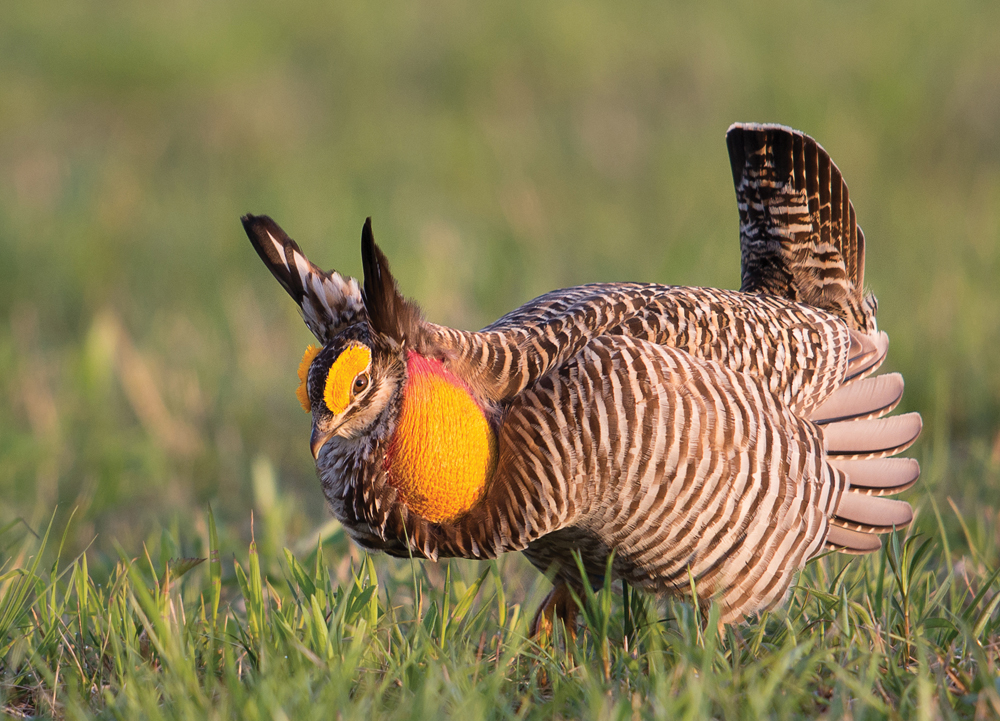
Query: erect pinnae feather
388	312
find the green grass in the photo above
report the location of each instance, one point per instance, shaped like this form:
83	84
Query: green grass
902	634
147	359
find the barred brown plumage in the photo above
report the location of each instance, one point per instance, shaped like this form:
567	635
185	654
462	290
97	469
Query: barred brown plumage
724	436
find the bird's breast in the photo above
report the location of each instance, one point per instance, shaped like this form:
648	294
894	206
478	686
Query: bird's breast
443	450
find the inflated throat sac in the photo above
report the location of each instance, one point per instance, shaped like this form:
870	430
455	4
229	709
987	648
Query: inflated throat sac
443	451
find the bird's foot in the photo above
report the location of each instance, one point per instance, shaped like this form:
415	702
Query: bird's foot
559	604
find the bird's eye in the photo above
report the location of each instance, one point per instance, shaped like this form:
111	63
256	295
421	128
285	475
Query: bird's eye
361	382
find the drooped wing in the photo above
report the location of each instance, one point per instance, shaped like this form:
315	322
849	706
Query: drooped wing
328	300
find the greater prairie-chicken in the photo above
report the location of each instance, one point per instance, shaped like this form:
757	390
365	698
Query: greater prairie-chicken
723	435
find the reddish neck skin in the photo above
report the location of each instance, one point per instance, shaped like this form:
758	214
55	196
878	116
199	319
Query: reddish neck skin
417	365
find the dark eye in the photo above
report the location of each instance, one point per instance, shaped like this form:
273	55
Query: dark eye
361	382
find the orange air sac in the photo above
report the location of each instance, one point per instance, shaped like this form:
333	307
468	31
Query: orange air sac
443	450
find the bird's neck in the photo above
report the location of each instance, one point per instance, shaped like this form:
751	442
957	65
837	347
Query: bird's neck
443	450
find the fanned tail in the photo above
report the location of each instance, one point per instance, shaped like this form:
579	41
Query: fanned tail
799	236
800	240
860	443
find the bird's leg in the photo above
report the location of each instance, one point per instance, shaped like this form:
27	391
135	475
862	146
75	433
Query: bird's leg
558	604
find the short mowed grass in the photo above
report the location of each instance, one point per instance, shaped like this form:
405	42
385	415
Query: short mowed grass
503	149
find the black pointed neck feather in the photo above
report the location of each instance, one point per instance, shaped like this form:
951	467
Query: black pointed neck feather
389	313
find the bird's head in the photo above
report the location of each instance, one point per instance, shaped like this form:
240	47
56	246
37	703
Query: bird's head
349	386
374	379
347	382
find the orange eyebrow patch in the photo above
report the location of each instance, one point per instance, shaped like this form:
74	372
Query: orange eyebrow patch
353	360
302	392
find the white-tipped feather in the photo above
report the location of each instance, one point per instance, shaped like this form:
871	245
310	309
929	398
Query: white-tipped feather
860	399
330	298
872	513
872	438
328	301
879	476
321	292
873	349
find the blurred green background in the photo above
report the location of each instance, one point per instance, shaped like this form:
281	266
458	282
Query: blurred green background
147	358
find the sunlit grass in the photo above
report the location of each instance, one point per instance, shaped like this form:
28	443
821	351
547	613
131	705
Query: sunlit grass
911	632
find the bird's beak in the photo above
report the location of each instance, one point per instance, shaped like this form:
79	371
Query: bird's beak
319	440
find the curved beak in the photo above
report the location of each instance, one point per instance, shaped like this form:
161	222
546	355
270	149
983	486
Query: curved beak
319	440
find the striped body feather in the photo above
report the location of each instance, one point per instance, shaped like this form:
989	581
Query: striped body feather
727	436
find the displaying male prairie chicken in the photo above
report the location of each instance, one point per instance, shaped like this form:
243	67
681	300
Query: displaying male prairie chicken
728	436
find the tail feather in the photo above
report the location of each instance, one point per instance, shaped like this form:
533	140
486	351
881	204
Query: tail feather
871	514
861	399
799	236
875	438
858	441
879	476
847	541
799	239
867	354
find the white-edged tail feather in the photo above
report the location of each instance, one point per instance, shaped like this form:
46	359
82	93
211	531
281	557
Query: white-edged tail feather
858	442
867	354
875	438
861	399
879	476
847	541
871	514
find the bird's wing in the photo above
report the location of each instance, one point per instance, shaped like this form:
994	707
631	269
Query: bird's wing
328	300
800	242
